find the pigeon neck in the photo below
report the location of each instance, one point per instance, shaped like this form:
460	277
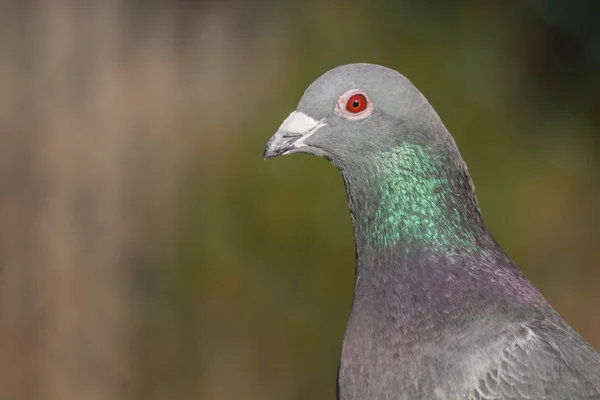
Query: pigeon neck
409	199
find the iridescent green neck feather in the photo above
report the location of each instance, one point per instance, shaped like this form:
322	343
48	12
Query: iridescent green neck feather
409	196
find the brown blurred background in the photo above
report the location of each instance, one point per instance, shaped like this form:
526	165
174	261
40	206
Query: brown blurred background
148	252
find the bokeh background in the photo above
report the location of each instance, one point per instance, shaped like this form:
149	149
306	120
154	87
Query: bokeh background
148	252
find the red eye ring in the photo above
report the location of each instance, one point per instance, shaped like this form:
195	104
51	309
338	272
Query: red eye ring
356	103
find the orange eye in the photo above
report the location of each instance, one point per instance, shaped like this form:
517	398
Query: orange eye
356	103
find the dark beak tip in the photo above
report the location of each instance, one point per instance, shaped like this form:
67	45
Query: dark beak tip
267	154
274	149
270	153
279	144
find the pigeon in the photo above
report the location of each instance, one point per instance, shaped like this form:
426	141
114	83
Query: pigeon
439	311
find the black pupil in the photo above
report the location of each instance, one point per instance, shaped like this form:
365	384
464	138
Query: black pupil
355	104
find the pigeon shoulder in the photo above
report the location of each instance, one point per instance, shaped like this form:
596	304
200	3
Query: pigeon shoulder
541	359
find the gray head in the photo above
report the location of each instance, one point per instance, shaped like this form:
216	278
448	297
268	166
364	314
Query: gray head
356	110
405	178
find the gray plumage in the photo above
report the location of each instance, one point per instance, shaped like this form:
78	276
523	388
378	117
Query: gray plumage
439	311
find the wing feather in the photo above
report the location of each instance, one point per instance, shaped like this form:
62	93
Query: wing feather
542	361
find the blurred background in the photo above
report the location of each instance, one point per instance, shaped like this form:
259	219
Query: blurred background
148	252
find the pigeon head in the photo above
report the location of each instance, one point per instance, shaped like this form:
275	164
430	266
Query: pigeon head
358	111
405	178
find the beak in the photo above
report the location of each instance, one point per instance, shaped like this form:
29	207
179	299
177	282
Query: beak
291	134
